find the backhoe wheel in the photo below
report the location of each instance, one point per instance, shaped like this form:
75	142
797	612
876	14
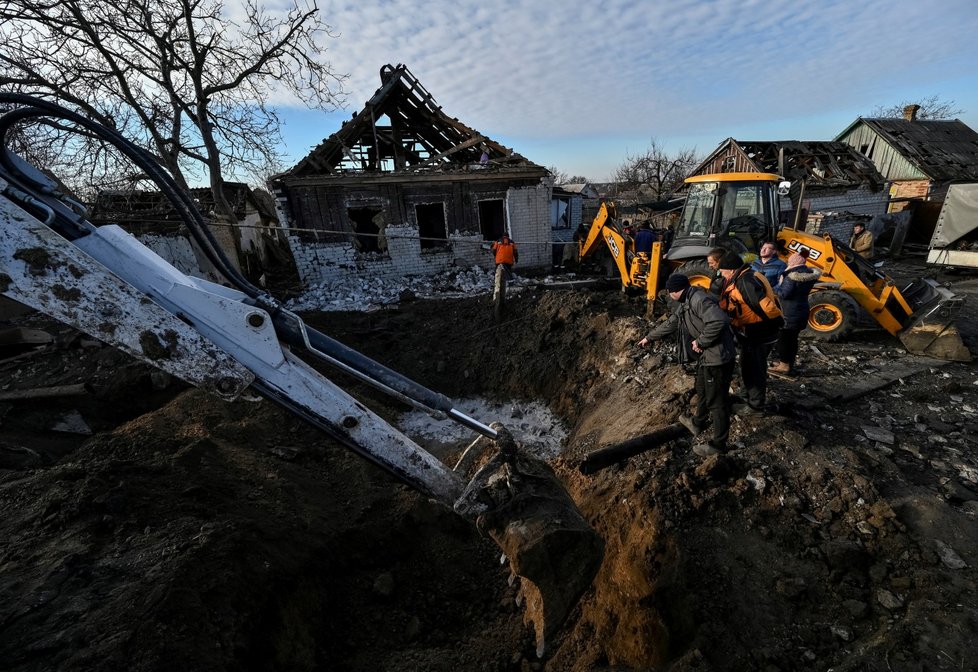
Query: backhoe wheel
699	273
831	316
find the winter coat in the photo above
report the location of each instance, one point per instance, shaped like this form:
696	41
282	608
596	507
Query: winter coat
862	244
644	239
699	317
771	270
752	306
795	286
505	251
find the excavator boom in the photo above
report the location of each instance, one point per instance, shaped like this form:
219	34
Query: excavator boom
104	282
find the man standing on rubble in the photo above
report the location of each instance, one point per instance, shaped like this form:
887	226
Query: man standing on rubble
704	337
506	254
749	300
796	284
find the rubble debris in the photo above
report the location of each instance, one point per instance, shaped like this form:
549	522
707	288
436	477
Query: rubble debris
73	390
72	423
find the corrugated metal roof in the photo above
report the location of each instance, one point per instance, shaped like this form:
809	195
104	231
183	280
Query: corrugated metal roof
941	149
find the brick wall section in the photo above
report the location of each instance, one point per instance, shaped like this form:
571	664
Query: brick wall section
528	215
908	189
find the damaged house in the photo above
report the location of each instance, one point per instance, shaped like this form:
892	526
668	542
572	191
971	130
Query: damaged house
832	184
920	158
825	176
253	244
403	189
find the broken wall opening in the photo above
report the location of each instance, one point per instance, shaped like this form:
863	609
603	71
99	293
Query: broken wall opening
368	226
432	225
492	219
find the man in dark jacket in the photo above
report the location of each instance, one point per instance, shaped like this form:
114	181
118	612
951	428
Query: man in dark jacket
793	290
749	300
704	335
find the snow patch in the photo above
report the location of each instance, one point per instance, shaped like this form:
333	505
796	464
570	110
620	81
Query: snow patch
532	424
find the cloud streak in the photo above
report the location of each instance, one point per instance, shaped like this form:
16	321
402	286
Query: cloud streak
538	72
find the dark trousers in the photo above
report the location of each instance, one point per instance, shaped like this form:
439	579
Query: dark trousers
787	347
713	400
753	371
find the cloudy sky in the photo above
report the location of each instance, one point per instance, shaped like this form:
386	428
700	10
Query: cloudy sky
582	84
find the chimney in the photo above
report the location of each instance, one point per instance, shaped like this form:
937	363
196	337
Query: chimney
910	112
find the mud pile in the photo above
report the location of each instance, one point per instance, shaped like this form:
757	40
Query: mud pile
198	534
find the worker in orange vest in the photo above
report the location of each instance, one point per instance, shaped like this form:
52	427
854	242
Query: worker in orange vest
506	253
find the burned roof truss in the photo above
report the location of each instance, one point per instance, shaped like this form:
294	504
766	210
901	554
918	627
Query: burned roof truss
403	129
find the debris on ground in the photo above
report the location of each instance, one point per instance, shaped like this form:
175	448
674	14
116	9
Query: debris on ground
187	532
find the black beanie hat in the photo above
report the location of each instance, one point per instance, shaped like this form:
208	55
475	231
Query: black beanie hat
676	282
730	261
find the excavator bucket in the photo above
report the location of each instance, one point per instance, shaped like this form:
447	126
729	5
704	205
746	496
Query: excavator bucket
930	329
519	502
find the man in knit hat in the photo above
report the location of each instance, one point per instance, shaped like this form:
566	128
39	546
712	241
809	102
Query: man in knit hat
704	336
750	302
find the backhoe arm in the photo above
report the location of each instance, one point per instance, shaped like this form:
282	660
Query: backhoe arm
104	282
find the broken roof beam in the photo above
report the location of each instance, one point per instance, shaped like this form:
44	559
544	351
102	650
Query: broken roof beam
457	148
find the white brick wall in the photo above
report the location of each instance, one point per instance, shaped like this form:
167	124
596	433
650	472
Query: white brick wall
861	201
528	210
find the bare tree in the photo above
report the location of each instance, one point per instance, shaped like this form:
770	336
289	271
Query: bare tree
560	177
932	107
656	171
577	179
178	77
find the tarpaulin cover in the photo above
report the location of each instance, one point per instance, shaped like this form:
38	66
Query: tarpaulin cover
958	217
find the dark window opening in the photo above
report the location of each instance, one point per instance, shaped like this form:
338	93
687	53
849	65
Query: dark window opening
492	220
369	229
431	225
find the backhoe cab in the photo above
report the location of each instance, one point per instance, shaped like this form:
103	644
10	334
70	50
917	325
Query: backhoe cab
735	211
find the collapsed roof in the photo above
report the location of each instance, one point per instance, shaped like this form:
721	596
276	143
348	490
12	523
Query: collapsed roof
941	149
402	129
137	205
819	163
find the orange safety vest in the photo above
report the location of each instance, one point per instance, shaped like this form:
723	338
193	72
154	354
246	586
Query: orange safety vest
737	307
505	250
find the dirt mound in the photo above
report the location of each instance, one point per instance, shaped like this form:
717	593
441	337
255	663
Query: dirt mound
204	535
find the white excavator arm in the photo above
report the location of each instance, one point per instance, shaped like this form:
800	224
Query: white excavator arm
104	282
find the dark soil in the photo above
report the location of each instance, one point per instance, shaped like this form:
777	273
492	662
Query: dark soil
186	533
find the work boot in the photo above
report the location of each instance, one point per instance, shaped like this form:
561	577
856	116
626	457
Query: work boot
781	367
688	422
706	449
746	410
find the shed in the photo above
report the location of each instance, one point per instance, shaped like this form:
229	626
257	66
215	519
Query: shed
919	157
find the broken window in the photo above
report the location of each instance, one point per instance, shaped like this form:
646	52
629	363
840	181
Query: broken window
369	229
492	219
432	228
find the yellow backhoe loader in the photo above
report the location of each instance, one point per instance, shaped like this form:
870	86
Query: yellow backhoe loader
737	211
635	268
